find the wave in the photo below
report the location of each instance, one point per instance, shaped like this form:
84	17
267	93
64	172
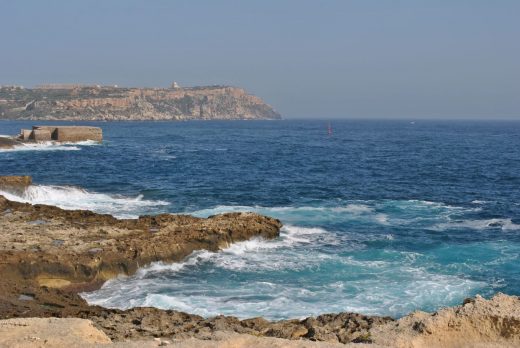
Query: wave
251	254
384	212
51	146
275	280
311	215
69	197
503	224
323	261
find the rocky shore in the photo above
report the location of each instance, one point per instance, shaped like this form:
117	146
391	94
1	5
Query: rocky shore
48	255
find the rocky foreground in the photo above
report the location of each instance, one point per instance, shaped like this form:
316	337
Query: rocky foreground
477	323
77	102
48	255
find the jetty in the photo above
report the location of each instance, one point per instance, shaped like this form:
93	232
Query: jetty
61	133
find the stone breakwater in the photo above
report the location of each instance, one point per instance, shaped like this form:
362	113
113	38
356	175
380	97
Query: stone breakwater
59	134
112	103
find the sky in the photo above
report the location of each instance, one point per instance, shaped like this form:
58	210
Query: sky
308	59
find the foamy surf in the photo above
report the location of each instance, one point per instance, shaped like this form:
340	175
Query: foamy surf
50	146
70	198
385	213
264	278
313	268
503	224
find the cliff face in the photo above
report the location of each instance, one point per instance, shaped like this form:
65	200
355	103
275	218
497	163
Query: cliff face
112	103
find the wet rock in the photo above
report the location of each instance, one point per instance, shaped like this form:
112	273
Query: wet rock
8	143
15	184
24	297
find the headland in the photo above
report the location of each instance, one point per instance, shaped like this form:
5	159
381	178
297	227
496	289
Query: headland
112	103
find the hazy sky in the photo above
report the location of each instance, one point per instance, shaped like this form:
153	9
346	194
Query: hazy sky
362	58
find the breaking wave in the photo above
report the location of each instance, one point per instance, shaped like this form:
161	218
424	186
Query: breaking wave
354	256
69	197
503	224
51	146
326	259
265	278
384	213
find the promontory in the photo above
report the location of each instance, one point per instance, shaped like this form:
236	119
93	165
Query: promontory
95	102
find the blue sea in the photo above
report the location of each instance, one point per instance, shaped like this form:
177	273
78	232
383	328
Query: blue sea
380	217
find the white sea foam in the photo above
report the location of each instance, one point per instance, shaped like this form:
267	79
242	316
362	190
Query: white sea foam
358	208
51	146
311	215
80	143
504	224
249	255
385	288
41	147
69	197
382	219
385	212
308	270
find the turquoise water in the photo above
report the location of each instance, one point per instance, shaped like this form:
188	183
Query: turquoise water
382	217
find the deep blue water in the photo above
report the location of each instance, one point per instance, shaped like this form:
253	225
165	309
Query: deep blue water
382	217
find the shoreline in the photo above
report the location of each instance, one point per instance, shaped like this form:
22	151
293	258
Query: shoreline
49	255
45	266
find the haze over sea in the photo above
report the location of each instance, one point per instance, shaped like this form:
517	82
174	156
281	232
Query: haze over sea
381	217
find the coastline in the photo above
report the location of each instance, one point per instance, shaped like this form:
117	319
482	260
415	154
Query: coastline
49	255
105	103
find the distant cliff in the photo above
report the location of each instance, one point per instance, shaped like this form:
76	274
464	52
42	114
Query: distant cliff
68	102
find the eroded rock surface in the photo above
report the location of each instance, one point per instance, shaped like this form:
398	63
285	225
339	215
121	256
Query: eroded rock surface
476	323
64	248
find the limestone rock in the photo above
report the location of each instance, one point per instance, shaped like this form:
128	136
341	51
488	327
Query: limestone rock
49	332
15	183
476	323
110	103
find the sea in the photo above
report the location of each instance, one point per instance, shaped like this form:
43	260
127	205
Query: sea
380	217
